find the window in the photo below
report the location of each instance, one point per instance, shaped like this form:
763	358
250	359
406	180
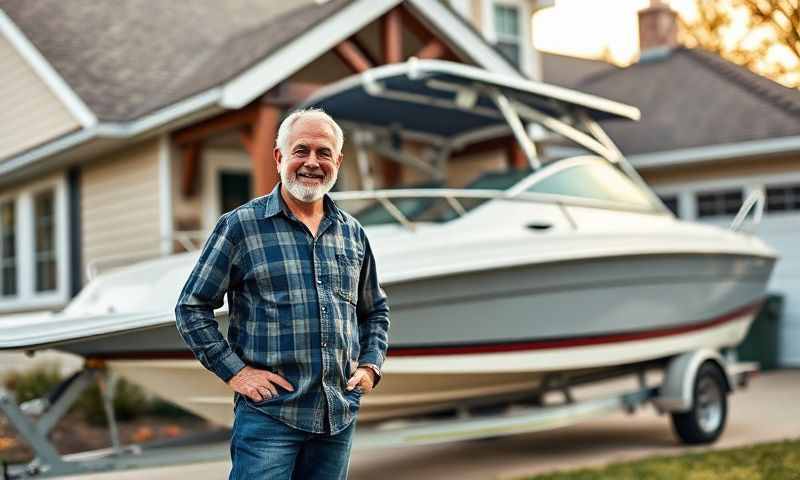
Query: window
722	202
671	202
45	242
8	253
783	198
33	235
596	180
507	31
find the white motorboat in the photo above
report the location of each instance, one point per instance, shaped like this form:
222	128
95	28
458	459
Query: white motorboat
576	271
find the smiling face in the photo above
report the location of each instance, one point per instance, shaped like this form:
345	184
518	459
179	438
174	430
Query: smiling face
310	164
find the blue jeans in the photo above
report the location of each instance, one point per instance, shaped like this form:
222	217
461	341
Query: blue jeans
263	447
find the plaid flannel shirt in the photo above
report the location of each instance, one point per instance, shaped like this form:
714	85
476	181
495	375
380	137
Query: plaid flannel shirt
309	309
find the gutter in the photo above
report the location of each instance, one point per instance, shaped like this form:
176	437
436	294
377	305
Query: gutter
691	156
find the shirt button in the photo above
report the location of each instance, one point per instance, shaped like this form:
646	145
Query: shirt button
323	309
319	282
324	344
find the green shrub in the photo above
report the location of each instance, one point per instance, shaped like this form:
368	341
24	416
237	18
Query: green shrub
130	400
34	383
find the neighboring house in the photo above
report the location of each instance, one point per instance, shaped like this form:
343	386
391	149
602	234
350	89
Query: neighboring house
711	132
124	125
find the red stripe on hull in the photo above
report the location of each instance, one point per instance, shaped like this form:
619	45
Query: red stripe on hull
572	342
485	348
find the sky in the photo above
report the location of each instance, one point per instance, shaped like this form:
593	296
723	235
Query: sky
587	28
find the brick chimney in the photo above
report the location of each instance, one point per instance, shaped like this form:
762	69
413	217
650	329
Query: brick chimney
658	28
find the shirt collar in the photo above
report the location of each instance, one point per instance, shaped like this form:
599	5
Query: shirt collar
275	204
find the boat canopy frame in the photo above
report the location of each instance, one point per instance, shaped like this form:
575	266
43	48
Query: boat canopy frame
446	106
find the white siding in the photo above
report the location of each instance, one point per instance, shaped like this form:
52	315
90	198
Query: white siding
120	205
782	232
30	114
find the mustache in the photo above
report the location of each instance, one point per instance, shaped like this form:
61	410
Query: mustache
312	173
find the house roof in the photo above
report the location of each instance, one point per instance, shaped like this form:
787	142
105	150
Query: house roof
124	61
567	71
126	71
691	98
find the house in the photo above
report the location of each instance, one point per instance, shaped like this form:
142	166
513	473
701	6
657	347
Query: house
125	130
711	132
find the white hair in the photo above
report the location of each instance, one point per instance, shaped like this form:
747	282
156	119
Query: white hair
286	128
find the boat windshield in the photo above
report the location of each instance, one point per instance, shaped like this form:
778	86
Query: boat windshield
438	210
593	179
585	178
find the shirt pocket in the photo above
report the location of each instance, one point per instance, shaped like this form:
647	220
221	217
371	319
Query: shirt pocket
348	270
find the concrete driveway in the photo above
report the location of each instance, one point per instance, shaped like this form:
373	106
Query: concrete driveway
768	410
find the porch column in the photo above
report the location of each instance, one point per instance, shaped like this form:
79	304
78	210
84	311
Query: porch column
261	146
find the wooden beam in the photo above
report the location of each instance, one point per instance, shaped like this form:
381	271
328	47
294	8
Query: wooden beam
365	51
352	56
262	143
191	163
485	146
413	25
246	137
203	130
390	172
432	50
392	26
426	37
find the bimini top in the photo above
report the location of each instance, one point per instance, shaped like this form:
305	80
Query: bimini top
448	100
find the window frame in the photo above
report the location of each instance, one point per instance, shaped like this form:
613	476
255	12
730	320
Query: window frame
742	190
527	54
688	189
786	185
508	38
45	255
14	260
26	297
218	161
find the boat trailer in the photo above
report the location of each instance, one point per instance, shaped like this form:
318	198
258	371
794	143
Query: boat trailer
675	394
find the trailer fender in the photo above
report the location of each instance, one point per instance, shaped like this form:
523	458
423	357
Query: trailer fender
675	394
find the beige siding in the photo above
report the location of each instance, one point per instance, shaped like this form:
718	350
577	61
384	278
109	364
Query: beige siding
477	15
30	114
718	170
120	204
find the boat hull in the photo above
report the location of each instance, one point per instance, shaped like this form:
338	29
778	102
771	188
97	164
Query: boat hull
418	384
479	336
557	302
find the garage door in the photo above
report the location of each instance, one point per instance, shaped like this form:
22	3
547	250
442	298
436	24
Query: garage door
782	232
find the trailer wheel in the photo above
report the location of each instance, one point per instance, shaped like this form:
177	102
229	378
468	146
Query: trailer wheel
705	421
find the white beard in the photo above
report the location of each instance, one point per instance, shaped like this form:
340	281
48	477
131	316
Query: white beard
305	193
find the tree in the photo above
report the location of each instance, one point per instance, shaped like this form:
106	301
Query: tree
762	35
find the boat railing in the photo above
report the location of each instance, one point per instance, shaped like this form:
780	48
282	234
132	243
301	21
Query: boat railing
189	241
453	196
103	264
754	202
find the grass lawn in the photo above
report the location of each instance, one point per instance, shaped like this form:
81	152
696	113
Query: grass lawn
769	461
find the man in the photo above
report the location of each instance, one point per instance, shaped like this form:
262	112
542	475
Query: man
308	321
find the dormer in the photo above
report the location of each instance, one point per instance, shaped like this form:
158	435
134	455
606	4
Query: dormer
506	24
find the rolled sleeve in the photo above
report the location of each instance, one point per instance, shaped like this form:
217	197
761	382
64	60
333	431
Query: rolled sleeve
215	272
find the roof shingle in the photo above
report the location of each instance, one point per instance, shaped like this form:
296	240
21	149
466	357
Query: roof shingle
125	58
693	98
